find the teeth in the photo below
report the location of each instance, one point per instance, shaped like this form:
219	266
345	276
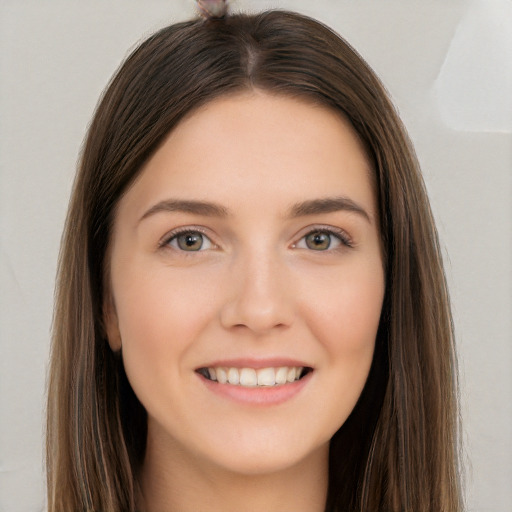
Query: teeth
233	376
250	377
282	375
222	375
266	377
292	374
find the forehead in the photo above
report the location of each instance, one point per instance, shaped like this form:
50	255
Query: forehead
254	144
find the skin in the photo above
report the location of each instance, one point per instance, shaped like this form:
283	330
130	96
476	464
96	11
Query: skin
257	288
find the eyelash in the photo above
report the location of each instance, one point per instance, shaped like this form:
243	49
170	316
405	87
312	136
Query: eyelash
341	235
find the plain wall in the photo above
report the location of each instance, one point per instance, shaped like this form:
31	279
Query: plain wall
447	65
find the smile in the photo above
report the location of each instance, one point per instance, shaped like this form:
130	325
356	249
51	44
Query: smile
252	377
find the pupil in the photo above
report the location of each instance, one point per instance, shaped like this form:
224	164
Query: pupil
318	241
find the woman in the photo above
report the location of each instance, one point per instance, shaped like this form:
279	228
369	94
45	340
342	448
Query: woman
251	306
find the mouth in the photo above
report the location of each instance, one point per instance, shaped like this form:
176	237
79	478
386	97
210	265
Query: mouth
255	377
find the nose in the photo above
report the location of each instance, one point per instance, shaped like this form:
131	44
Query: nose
260	298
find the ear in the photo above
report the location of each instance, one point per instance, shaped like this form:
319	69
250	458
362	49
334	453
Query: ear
111	323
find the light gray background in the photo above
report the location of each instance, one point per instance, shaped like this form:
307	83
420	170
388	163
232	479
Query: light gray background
448	67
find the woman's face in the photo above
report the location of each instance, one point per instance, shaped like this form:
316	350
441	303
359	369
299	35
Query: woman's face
248	251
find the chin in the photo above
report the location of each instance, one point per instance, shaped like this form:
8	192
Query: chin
260	454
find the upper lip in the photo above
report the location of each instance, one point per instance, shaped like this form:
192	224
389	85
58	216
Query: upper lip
273	362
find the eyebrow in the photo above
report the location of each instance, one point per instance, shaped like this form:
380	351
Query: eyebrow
328	205
302	209
203	208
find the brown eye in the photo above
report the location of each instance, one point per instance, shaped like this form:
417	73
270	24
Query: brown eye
318	241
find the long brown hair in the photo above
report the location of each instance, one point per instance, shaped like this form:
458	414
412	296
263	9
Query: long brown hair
398	451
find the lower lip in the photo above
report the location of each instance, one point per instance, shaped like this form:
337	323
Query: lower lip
261	395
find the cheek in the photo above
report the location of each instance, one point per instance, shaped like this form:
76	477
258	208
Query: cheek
157	304
344	317
345	320
160	315
345	313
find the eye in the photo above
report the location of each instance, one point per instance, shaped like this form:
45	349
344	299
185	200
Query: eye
190	241
323	240
319	241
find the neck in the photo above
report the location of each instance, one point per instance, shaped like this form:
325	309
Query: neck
187	484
